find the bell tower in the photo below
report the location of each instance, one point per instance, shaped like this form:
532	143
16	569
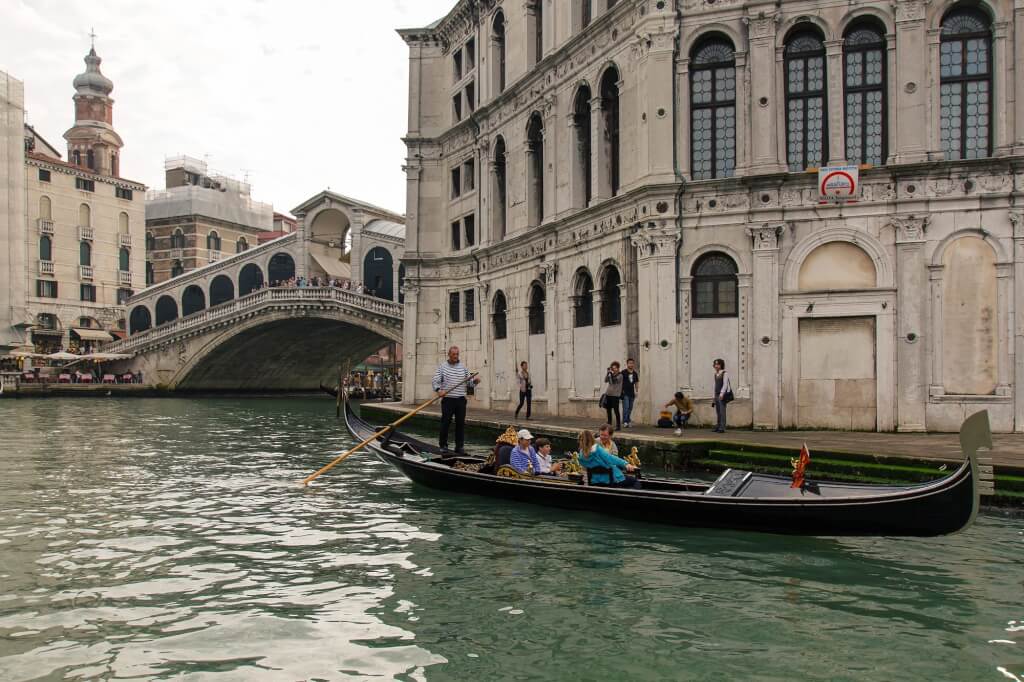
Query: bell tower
93	143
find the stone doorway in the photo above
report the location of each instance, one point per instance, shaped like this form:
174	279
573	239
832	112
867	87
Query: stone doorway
838	382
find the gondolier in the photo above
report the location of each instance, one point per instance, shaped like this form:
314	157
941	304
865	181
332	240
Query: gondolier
450	381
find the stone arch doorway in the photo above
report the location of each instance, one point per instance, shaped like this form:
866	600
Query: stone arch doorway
378	271
222	290
281	268
250	279
193	300
166	310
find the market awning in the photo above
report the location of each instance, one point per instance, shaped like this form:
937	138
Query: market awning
93	334
333	268
42	331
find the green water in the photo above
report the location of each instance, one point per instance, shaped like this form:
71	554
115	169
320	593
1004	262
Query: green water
159	539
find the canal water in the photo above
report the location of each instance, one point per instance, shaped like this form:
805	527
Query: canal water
167	538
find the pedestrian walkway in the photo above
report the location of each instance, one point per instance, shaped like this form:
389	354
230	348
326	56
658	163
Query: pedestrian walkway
1008	449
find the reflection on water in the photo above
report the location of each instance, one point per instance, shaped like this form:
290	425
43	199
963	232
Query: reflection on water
163	538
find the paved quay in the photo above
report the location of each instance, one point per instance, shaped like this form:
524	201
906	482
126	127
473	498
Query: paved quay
1008	449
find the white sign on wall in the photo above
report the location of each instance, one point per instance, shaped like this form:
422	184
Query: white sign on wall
838	184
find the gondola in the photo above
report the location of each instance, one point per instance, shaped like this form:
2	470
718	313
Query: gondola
739	500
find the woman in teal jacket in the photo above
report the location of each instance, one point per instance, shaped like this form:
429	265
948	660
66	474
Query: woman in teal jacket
594	456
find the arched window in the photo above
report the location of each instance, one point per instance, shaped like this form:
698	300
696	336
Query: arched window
499	317
177	269
865	76
84	215
713	110
806	110
535	169
45	208
583	300
45	248
77	157
611	297
140	320
222	290
610	132
965	112
150	242
213	242
90	160
122	223
114	167
84	253
715	286
178	240
166	310
582	185
535	311
498	51
499	191
241	245
124	260
193	300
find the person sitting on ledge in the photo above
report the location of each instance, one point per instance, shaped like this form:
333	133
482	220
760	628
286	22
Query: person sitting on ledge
604	468
524	457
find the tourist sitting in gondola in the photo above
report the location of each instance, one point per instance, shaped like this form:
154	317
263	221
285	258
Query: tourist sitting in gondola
524	457
604	468
543	448
502	452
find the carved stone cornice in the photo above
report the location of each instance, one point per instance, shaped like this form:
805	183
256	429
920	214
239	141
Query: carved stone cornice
910	229
548	272
763	25
656	242
910	10
767	236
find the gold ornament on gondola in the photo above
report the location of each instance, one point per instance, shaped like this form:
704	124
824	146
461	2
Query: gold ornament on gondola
572	465
509	437
634	457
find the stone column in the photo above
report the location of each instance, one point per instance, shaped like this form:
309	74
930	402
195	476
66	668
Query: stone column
743	135
357	244
765	105
935	384
1002	86
548	275
931	128
911	358
1018	82
598	151
656	102
411	290
764	326
684	116
1017	219
834	99
908	139
552	140
1004	309
659	358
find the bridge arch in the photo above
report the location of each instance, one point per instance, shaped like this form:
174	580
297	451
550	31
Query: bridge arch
222	290
140	320
280	267
193	300
166	310
250	279
379	272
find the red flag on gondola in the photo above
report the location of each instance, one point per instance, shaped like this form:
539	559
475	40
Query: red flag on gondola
799	465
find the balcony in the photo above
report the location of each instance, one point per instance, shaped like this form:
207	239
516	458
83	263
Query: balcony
124	277
46	267
45	226
86	233
215	256
177	253
125	240
85	271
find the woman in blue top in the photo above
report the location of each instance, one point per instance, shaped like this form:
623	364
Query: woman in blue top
593	455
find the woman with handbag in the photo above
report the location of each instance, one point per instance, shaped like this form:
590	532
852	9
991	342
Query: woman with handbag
525	389
612	394
723	393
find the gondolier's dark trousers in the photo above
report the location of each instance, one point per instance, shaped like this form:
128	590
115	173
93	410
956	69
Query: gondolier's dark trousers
453	407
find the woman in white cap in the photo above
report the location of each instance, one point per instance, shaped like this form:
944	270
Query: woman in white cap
524	457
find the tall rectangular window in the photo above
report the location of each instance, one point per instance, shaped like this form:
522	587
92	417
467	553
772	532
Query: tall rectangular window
470	223
864	68
456	235
44	175
456	182
965	74
713	110
469	175
46	288
470	55
123	295
457	65
457	107
806	108
469	300
89	293
453	306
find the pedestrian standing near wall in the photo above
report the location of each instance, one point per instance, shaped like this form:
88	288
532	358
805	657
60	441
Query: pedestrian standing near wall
630	380
723	393
613	393
525	389
450	381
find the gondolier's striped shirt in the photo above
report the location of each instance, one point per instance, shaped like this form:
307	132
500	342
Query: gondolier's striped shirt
447	376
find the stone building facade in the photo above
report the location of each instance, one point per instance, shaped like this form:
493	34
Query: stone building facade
77	249
592	180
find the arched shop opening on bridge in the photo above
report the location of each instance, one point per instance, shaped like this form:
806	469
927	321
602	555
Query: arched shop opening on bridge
378	270
140	320
281	268
166	310
193	300
250	279
222	290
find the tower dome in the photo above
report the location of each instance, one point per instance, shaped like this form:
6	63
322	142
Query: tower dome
92	81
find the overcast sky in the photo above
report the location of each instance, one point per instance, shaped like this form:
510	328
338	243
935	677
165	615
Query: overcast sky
302	94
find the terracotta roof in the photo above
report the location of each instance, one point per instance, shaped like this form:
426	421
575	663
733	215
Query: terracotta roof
57	162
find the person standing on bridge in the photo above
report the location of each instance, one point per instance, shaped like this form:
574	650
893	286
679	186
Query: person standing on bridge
450	382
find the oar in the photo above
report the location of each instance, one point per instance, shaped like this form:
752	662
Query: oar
341	458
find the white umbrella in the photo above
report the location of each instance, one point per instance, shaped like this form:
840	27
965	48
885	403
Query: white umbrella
62	355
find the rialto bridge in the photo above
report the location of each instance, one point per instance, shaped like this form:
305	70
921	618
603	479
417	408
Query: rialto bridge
243	323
